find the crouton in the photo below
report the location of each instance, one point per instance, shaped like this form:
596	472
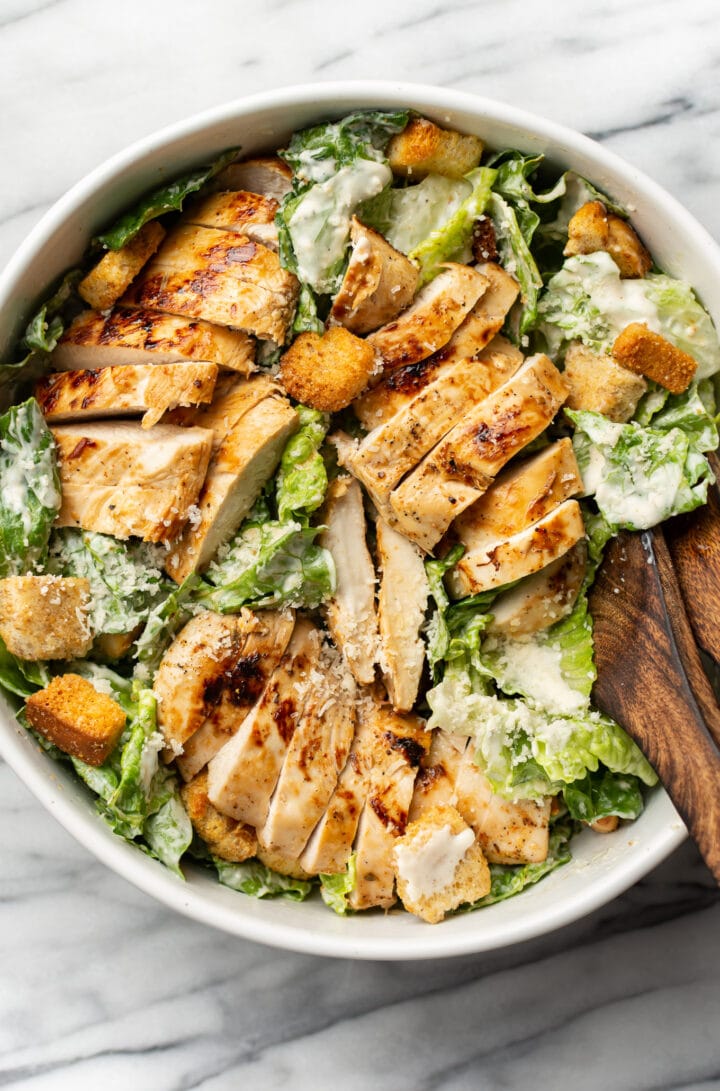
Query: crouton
439	865
423	148
593	228
605	825
225	837
80	721
283	863
646	353
45	617
601	385
112	646
327	372
117	269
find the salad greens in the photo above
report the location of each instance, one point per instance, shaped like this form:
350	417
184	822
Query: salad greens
255	878
29	488
508	881
451	241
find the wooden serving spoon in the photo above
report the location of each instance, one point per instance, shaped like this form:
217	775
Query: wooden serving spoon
651	680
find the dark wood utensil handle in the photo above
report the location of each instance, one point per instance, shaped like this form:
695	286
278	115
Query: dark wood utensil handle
647	660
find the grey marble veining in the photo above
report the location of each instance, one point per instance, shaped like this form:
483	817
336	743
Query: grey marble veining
100	986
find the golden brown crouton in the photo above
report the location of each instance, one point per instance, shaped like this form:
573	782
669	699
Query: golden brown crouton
423	147
45	617
601	385
225	837
80	721
114	646
641	350
117	269
593	228
282	863
605	825
328	371
439	864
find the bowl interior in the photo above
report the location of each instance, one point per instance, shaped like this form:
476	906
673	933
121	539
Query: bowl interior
602	866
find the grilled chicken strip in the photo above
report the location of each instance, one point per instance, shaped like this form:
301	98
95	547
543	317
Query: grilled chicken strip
315	758
462	466
241	464
350	613
246	213
395	447
402	602
401	742
268	175
331	842
195	671
131	389
379	405
430	322
266	639
146	337
541	600
520	496
435	783
219	276
117	269
379	282
118	479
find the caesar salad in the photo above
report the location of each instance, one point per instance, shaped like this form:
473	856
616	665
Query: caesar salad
305	476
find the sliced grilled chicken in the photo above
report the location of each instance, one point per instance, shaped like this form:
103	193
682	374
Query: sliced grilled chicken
402	602
430	322
331	842
350	613
237	210
435	783
117	269
379	405
401	742
142	336
148	389
541	600
315	758
266	175
508	833
379	282
118	479
245	459
523	554
243	682
219	276
461	467
193	672
243	775
395	447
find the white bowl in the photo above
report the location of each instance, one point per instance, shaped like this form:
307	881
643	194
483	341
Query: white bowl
602	866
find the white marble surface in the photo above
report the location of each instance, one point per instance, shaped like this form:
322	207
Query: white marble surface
99	986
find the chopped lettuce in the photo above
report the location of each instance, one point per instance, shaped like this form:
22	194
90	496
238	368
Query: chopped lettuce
507	881
42	333
516	259
603	794
21	676
640	476
588	300
163	621
252	877
167	198
125	578
302	479
408	215
29	488
336	167
454	630
451	241
334	889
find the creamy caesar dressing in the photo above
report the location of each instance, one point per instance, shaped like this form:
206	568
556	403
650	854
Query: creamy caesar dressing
430	867
320	225
423	208
619	301
648	502
534	668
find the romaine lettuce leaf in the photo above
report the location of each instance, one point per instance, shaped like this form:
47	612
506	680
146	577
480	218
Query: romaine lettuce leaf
602	794
451	240
588	300
21	676
336	168
516	259
125	578
167	198
641	476
408	215
254	878
302	478
507	881
29	488
334	889
163	621
41	335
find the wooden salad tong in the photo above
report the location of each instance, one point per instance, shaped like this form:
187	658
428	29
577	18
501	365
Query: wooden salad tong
650	673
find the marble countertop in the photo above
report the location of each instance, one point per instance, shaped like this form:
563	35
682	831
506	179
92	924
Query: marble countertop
99	985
